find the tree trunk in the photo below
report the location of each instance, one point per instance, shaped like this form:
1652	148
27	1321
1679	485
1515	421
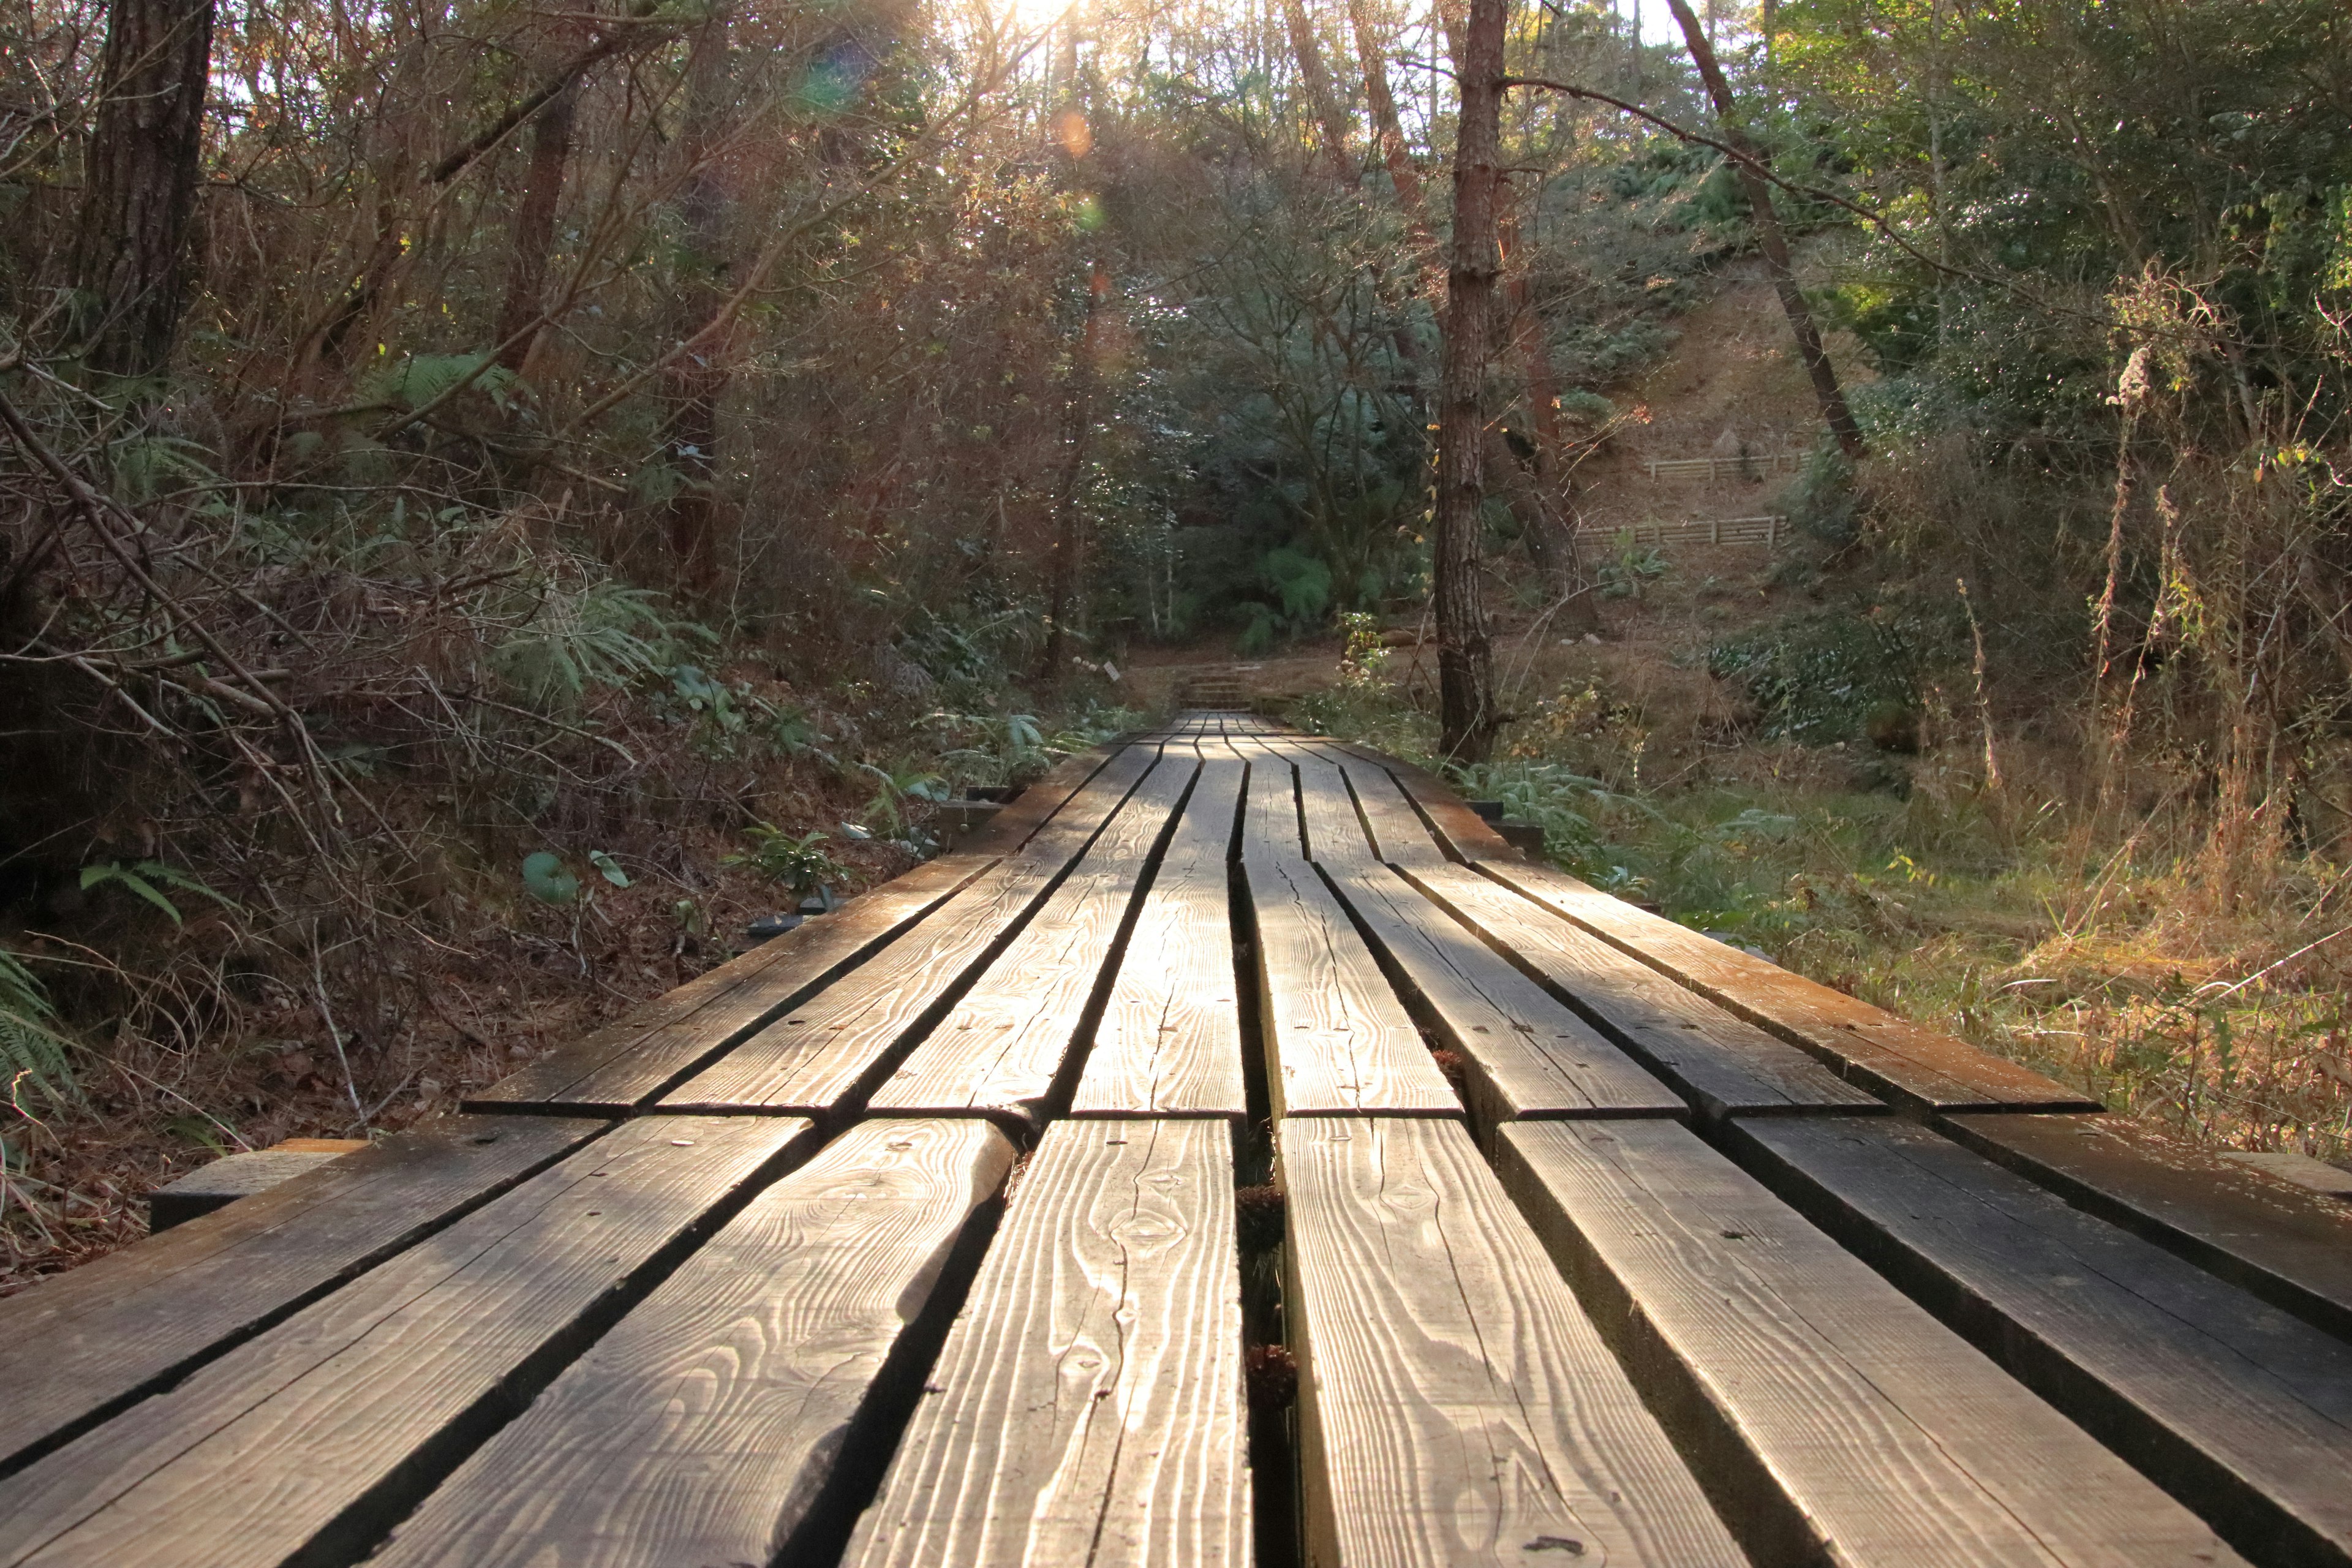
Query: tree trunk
534	229
1320	99
144	159
1771	241
1465	661
1373	53
694	382
1067	573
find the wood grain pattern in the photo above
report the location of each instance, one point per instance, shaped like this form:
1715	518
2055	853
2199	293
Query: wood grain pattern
621	1067
1170	1042
1402	837
1892	1058
834	1046
1525	1054
1720	1063
1086	1408
1461	832
2235	1407
1456	1406
2288	1246
79	1343
312	1435
1013	827
1835	1420
1002	1047
1340	1042
1335	834
1270	811
703	1427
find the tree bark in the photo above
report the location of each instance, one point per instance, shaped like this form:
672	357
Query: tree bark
1320	97
1373	53
694	382
1465	661
144	159
1769	240
534	229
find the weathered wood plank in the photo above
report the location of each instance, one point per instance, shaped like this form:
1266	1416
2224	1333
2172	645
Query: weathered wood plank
1170	1043
2235	1407
1721	1063
1524	1053
1834	1420
1270	811
314	1436
77	1345
623	1066
1018	822
1462	834
837	1044
1892	1058
1340	1042
1456	1406
1335	834
2289	1247
703	1427
1086	1408
1402	837
1002	1048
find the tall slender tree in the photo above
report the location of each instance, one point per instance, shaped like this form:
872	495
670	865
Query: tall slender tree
1769	238
695	382
145	158
1467	718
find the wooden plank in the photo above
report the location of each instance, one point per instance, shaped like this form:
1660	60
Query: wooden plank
1002	1048
1339	1041
1402	837
1030	810
623	1066
2237	1408
1270	809
1086	1408
1335	834
703	1428
1834	1420
839	1043
1461	832
1720	1063
2291	1248
1455	1405
82	1344
1892	1058
1524	1053
315	1437
1170	1043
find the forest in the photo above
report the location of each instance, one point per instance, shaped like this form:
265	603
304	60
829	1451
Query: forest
497	497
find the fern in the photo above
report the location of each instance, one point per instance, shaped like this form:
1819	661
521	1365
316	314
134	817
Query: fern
420	379
31	1049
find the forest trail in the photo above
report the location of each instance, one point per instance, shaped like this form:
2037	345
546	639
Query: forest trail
622	1310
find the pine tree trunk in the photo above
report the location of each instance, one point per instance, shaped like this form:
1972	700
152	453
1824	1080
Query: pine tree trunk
1465	661
1320	97
694	382
144	160
534	228
1769	240
1373	55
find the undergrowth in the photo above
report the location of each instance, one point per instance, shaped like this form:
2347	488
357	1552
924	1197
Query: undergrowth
1969	909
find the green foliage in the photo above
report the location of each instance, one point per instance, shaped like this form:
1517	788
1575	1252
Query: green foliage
415	380
1631	568
588	632
146	879
546	878
801	863
893	786
1817	679
33	1051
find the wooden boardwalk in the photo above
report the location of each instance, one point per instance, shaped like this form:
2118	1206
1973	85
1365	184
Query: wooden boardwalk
986	1221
